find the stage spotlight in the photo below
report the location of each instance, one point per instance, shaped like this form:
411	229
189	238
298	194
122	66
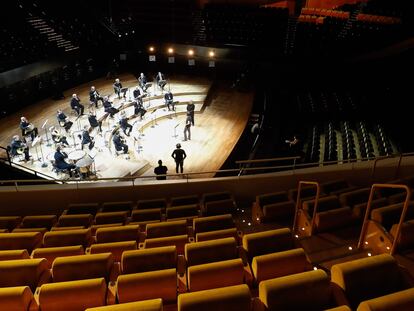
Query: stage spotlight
211	54
190	52
151	49
120	35
170	50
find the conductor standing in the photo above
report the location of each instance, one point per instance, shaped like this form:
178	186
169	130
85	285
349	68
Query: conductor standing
179	155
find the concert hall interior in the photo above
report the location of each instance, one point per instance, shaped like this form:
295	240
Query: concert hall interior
206	155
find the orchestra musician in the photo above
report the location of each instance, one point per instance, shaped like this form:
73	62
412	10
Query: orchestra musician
93	121
86	138
137	93
60	162
108	107
28	128
123	122
118	88
142	80
119	142
169	101
17	146
190	111
94	96
76	105
161	81
63	120
139	108
58	137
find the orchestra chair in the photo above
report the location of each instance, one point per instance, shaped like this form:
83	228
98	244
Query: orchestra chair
19	298
231	298
145	305
72	295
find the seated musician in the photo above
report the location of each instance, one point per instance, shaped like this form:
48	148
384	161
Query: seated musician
161	82
94	96
76	105
119	142
142	80
137	93
60	162
139	108
123	122
86	138
93	121
169	101
28	128
17	146
108	107
64	120
58	137
118	88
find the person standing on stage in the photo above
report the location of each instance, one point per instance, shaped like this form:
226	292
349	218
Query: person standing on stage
86	138
76	105
169	101
93	121
190	111
119	143
28	128
117	88
19	147
63	120
161	170
187	128
179	156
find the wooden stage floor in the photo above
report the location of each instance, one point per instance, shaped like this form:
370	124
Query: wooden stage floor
219	123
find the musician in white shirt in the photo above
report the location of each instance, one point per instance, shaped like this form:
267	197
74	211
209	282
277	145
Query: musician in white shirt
28	128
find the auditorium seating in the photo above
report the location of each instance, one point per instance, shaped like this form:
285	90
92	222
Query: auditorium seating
405	240
151	204
68	238
146	305
111	218
399	301
78	220
14	254
27	240
125	206
219	207
115	248
164	229
18	298
118	234
183	211
51	253
272	206
82	208
9	222
43	221
178	241
184	200
144	216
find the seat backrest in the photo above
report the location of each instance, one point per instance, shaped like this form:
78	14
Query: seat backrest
144	215
355	197
390	215
40	221
149	204
221	207
213	223
399	301
73	295
117	206
151	259
367	278
14	254
51	253
111	218
216	196
19	298
184	200
147	305
178	241
118	234
210	251
83	220
21	240
406	238
267	242
115	248
68	238
82	208
271	198
182	211
9	222
302	291
82	267
24	272
333	186
306	192
231	298
164	229
324	204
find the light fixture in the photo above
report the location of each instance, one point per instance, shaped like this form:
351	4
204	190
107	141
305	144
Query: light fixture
369	254
211	54
191	52
151	49
170	50
350	248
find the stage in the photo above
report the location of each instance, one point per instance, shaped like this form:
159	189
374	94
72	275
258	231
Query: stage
220	118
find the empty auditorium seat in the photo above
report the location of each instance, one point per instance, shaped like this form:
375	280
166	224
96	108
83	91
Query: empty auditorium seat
336	187
277	211
9	222
212	223
73	295
219	207
150	204
118	234
145	305
83	267
18	298
115	248
151	259
359	209
94	228
185	211
184	200
68	238
215	274
271	198
178	241
274	265
146	215
216	196
14	254
124	206
28	240
302	291
24	272
390	215
82	208
218	234
41	230
111	218
307	193
399	301
368	278
78	220
4	230
232	298
266	242
41	221
51	253
163	229
210	251
66	228
355	197
406	239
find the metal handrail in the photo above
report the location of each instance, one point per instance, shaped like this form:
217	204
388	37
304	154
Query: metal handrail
368	212
266	160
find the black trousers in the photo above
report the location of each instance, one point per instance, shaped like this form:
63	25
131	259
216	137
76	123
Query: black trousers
179	165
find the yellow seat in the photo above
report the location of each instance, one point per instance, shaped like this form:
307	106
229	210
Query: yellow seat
23	240
68	238
73	295
24	272
83	267
145	215
213	223
121	206
399	301
51	253
184	200
146	305
178	241
150	204
21	230
115	248
406	237
118	234
39	221
221	207
9	222
151	259
163	229
82	208
218	234
14	254
79	220
232	298
184	211
17	299
111	218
